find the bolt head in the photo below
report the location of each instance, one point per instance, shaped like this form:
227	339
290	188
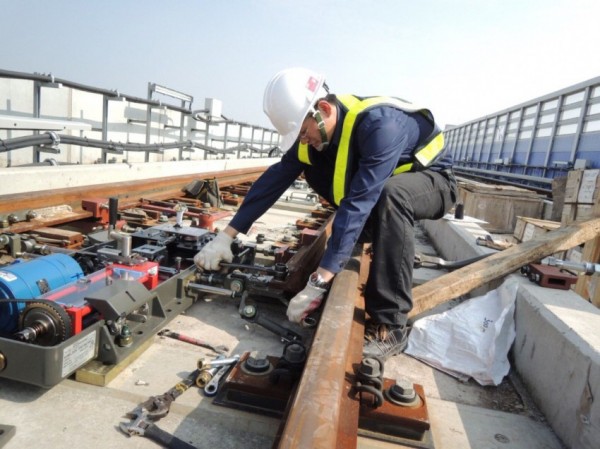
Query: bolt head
370	367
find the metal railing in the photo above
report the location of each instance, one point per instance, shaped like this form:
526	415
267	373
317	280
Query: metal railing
99	125
542	138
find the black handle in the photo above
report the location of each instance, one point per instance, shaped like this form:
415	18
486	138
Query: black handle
113	211
165	438
283	332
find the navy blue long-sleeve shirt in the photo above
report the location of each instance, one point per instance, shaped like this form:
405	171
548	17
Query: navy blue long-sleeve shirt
382	139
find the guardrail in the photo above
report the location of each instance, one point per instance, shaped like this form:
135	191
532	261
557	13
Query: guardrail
99	125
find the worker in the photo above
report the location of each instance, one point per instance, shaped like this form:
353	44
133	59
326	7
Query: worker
380	162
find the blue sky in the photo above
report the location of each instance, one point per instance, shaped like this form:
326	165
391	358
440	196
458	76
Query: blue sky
461	58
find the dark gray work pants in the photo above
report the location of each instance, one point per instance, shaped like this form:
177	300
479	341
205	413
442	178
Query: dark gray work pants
406	198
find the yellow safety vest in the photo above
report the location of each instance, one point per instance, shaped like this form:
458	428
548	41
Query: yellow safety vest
425	154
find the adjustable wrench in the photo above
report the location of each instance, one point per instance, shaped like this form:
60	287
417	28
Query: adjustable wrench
141	425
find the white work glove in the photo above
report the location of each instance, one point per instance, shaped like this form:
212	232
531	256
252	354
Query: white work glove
215	251
305	302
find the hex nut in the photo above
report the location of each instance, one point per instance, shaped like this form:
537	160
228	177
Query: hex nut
370	367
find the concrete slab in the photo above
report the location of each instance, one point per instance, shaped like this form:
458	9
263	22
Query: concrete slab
72	414
557	353
459	426
557	347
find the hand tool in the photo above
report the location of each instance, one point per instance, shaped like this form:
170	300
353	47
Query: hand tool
426	261
250	313
155	408
219	349
142	425
218	362
213	385
489	242
586	268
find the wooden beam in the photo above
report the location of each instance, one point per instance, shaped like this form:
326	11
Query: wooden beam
466	279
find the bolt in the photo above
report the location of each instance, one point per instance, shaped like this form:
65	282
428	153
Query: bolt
2	362
402	392
404	386
256	363
125	338
236	286
370	367
295	353
249	311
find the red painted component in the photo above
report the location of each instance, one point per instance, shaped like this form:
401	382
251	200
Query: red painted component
551	277
98	207
307	236
282	254
409	423
207	220
72	296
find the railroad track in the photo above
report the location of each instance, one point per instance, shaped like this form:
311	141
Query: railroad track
323	412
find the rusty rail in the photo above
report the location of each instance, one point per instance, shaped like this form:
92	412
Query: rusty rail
128	193
322	413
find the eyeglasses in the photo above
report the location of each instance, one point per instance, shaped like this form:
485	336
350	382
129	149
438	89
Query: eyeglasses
304	130
303	133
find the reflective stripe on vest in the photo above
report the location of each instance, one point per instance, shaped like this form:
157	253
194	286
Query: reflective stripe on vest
425	154
303	154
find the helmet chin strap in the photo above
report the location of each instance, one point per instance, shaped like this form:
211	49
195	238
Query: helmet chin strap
321	124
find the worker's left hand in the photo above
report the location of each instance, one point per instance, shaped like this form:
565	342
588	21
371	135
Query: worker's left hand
305	302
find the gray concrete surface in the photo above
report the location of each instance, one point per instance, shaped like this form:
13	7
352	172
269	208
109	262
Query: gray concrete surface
557	353
557	347
464	415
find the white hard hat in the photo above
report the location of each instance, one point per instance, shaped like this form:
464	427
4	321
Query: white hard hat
289	97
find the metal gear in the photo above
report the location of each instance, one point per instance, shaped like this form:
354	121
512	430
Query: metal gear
45	323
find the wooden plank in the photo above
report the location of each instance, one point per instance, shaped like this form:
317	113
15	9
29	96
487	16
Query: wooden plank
572	186
587	286
559	186
464	280
500	212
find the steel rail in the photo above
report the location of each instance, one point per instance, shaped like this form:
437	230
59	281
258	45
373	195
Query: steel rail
322	414
128	193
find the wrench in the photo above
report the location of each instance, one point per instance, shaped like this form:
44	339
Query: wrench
142	425
194	341
218	362
213	385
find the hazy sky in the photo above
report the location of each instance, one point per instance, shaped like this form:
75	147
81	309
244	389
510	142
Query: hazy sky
461	58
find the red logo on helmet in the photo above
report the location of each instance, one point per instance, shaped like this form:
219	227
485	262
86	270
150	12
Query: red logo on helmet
312	84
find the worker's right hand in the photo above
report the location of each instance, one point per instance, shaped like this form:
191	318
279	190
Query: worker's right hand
215	251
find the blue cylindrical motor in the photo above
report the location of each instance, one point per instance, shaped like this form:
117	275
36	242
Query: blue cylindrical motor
30	279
